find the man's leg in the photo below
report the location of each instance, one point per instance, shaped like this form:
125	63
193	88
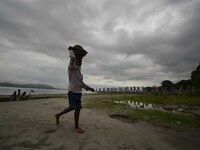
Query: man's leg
76	121
76	118
68	109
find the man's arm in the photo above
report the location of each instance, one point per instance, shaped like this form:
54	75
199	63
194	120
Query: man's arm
72	63
86	87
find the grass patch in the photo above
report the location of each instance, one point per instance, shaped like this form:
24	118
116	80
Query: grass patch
162	118
100	101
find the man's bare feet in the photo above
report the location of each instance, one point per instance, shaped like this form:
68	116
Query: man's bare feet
57	119
79	130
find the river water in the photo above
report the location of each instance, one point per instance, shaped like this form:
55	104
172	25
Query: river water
10	90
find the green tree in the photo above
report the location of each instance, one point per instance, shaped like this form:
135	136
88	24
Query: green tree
195	77
184	83
167	83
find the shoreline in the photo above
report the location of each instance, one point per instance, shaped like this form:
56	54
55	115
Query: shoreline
6	98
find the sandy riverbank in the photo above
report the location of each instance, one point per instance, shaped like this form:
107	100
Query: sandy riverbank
28	125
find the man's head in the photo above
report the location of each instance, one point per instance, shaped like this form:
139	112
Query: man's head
79	53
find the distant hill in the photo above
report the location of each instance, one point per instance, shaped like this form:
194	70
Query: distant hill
37	86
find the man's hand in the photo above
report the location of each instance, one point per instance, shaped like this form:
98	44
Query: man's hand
91	89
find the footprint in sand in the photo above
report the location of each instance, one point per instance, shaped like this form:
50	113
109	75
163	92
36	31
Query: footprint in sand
96	127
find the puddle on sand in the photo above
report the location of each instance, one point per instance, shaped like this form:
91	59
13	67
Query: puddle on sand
140	105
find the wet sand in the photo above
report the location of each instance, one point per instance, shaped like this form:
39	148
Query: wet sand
30	125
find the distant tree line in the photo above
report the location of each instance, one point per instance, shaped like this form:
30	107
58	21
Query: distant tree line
184	86
190	85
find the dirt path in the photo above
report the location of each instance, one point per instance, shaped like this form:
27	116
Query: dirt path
30	125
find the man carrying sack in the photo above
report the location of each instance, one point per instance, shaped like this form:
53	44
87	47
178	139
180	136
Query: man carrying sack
75	85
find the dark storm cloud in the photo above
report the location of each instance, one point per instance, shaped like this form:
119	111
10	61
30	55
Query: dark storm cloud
146	41
173	45
40	26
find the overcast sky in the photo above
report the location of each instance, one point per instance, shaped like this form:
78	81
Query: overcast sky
129	42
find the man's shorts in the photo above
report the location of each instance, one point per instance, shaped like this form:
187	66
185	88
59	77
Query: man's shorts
74	100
